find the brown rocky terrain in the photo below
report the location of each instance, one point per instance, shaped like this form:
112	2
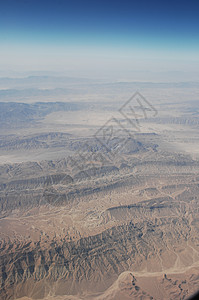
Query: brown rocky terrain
75	234
83	220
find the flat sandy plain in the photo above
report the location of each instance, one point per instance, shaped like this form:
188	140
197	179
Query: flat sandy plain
99	196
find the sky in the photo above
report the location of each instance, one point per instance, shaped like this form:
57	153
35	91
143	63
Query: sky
99	38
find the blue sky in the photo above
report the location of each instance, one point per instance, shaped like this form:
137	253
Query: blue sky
68	35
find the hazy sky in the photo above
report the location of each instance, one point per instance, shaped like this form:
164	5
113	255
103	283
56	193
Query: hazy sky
100	37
